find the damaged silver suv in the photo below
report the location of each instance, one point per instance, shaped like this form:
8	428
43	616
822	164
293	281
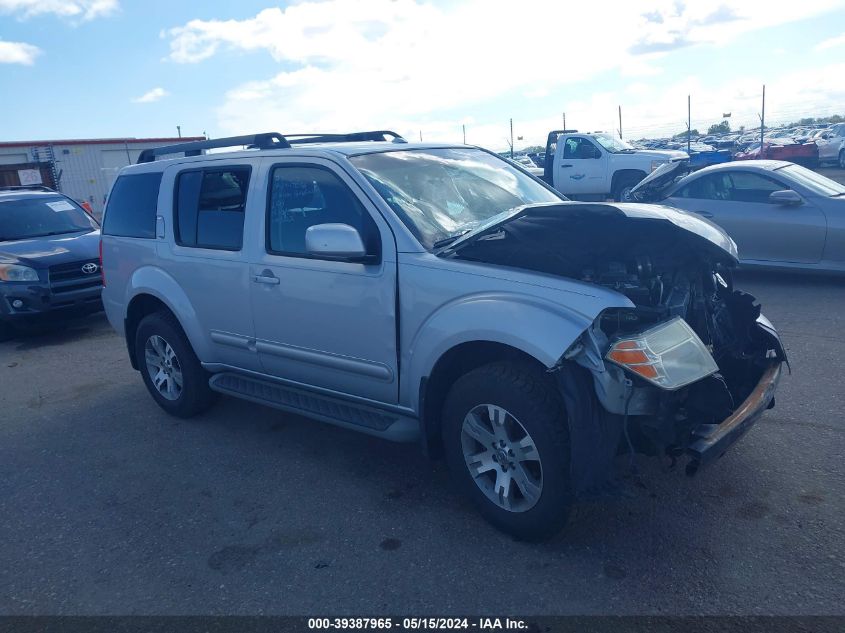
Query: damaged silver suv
438	294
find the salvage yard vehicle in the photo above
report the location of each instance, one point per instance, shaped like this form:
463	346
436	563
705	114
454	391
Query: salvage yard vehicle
781	148
780	214
831	144
439	294
598	165
49	263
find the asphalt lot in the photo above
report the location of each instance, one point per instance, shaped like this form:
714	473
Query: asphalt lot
109	506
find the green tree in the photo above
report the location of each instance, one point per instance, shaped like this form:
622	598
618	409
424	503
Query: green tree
693	132
719	128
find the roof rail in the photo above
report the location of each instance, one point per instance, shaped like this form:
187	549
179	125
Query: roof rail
351	137
266	140
26	188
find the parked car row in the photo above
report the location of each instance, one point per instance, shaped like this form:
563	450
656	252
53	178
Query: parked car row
805	146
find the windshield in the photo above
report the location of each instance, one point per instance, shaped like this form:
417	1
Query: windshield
612	144
816	183
442	193
23	218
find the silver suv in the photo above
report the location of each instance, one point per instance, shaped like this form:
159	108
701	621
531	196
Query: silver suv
439	294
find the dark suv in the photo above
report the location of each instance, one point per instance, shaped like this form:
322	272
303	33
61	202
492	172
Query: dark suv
49	258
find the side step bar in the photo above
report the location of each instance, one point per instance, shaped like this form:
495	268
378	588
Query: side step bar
369	420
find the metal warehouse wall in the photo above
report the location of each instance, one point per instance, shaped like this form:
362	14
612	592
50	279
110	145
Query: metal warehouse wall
85	170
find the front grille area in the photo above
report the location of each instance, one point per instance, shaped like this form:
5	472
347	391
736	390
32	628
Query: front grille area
70	277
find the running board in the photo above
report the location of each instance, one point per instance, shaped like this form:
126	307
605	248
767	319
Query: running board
370	420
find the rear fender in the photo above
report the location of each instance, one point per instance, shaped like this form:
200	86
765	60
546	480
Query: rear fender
156	282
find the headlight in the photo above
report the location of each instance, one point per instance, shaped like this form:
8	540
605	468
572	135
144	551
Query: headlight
657	163
14	272
670	355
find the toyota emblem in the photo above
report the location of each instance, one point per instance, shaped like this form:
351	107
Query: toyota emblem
90	268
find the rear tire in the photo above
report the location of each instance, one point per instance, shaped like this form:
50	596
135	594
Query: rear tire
170	368
622	189
506	441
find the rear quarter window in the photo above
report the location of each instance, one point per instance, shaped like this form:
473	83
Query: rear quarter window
131	209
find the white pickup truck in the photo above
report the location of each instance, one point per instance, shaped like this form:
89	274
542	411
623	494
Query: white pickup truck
599	165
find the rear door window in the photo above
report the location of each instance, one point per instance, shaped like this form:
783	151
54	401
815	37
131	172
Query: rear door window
209	207
131	208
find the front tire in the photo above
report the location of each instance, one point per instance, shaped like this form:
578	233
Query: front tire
622	190
170	368
506	441
842	159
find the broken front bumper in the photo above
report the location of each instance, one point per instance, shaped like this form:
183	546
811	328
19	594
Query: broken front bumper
710	441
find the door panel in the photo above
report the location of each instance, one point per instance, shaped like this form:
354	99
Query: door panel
215	276
578	171
329	324
762	231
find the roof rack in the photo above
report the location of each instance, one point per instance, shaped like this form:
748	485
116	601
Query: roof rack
26	188
266	140
350	137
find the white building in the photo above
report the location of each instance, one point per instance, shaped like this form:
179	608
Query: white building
83	169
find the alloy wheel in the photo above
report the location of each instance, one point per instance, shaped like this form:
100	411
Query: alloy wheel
163	367
502	458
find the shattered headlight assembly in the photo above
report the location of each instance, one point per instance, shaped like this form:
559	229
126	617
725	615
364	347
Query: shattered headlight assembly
669	355
16	272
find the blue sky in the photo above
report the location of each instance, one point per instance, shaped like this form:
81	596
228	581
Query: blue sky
236	67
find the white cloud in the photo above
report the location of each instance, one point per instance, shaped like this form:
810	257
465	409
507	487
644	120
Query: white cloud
76	9
831	43
151	95
401	64
18	53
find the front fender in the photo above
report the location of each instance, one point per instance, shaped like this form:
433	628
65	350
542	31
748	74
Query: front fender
540	328
154	281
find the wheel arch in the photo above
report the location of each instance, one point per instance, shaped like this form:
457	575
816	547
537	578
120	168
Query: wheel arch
621	174
153	290
451	365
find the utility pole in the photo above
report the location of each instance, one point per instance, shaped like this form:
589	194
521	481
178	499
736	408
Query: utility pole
620	123
511	138
465	133
763	124
420	136
564	120
179	130
689	122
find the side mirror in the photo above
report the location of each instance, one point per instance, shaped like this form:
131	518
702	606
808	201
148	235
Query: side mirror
337	241
787	198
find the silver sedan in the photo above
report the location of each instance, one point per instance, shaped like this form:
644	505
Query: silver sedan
780	215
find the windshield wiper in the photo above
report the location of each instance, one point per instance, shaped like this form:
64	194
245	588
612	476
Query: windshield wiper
448	240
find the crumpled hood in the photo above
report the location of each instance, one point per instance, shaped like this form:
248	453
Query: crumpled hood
43	252
694	225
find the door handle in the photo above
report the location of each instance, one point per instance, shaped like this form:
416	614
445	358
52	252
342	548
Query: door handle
705	214
266	279
565	166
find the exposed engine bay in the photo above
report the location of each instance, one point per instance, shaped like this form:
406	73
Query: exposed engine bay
667	271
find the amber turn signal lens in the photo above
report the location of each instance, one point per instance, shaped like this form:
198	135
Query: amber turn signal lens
628	357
